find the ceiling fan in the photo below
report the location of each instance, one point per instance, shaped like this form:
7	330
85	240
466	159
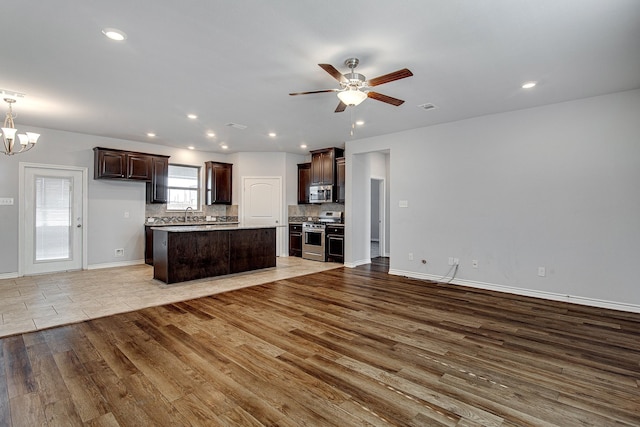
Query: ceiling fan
354	86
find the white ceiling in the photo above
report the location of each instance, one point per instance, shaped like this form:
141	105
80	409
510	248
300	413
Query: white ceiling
236	61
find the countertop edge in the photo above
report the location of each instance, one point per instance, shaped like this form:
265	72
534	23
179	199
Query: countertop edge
192	228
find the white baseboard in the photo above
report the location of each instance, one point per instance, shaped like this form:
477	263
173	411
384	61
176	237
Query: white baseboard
593	302
357	263
115	264
9	275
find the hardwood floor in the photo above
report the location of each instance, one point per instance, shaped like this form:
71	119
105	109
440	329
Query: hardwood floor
343	347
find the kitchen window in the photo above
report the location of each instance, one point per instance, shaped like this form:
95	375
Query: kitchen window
184	187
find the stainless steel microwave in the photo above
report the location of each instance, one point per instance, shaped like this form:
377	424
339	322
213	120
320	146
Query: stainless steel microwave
321	193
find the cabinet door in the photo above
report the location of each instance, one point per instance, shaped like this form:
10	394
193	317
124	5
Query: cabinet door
295	240
335	248
218	183
316	169
157	188
109	164
138	166
304	180
148	245
327	161
340	180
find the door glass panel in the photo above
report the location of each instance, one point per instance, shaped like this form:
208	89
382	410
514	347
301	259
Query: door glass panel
53	218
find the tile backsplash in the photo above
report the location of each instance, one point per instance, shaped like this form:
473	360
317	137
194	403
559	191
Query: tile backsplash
301	213
218	213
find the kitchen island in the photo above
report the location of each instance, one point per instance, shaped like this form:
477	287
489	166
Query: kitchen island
182	253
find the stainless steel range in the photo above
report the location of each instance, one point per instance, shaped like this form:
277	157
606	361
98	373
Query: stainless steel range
313	235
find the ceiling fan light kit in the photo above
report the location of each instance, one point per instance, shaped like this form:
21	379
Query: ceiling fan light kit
354	86
352	97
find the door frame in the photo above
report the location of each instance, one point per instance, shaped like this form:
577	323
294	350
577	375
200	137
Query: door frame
22	167
279	226
381	182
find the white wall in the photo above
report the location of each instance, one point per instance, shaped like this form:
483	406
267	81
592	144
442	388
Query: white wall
269	164
554	186
108	200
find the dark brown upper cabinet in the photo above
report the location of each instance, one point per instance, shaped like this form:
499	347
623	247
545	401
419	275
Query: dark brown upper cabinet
157	188
110	163
304	180
218	183
323	166
120	164
340	179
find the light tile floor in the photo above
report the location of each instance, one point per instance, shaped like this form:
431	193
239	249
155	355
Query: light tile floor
39	302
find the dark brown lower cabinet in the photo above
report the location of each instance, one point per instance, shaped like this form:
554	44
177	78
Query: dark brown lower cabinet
295	240
183	256
148	245
334	244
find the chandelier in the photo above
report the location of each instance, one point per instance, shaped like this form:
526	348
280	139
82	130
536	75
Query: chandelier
27	140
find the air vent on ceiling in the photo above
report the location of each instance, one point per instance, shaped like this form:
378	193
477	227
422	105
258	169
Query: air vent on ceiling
427	106
236	126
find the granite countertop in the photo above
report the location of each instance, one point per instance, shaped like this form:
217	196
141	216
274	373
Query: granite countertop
211	227
188	224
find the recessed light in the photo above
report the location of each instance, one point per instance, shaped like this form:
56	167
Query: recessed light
360	122
211	134
151	134
224	146
192	116
529	85
303	145
272	134
114	34
191	147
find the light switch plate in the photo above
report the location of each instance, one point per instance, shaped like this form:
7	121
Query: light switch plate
403	204
6	201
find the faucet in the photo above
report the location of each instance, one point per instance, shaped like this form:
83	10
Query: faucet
186	211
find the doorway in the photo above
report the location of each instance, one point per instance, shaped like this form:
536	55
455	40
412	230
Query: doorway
378	244
262	204
52	236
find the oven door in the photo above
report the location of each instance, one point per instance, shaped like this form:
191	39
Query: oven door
313	244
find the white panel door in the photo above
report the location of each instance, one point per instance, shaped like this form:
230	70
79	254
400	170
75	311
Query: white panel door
52	219
262	203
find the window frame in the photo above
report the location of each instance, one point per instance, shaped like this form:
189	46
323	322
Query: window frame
198	189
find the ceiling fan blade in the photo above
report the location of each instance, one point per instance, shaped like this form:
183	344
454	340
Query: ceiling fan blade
314	91
384	98
341	107
396	75
334	72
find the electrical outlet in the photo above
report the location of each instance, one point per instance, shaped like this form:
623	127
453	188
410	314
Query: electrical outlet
450	260
474	263
542	271
456	261
410	256
119	252
126	214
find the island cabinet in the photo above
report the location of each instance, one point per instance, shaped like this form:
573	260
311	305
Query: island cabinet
197	253
323	166
252	249
304	180
218	183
